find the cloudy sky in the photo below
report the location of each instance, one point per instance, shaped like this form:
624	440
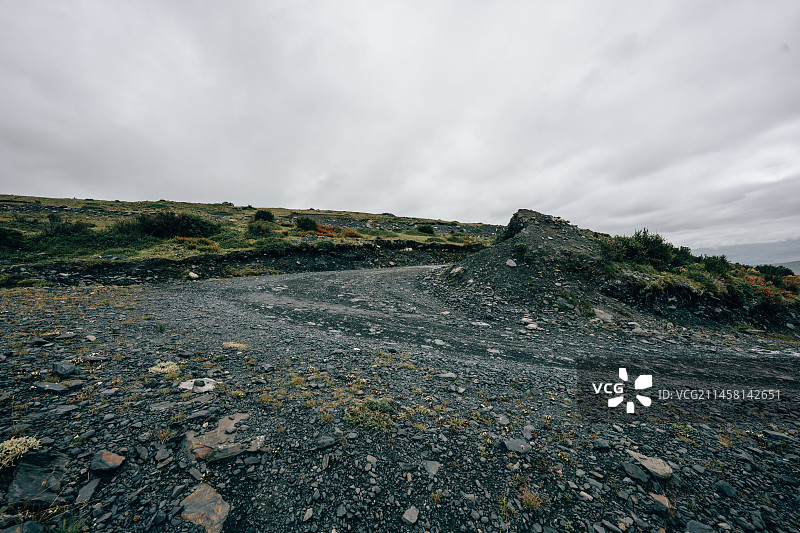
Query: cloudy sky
679	116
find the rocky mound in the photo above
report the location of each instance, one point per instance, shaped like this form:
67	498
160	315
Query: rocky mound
543	262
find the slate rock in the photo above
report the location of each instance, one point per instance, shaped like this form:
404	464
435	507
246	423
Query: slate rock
693	526
218	444
37	479
27	527
723	487
658	467
432	467
601	445
660	503
635	472
205	507
517	445
325	442
105	460
87	491
64	369
411	515
51	387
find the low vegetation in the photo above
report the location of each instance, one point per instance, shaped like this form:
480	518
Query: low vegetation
34	229
656	267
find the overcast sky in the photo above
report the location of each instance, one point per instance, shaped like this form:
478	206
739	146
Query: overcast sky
682	117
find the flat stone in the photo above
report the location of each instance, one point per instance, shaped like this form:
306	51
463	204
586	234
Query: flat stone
693	526
206	508
27	527
51	387
308	515
661	503
511	263
658	467
64	369
63	409
447	375
325	442
517	445
37	480
199	385
601	444
217	444
87	491
635	472
105	460
431	467
411	515
723	487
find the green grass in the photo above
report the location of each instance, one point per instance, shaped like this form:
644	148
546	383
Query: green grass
64	229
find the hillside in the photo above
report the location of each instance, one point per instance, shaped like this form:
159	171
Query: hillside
545	262
71	241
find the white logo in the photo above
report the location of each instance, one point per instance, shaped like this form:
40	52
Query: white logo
645	381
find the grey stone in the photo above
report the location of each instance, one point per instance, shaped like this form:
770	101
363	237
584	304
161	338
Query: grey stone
105	460
206	508
601	444
658	467
693	526
37	479
51	387
325	442
411	515
27	527
87	491
64	369
432	467
635	472
517	445
723	487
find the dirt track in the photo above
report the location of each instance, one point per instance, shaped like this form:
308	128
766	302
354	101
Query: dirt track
368	393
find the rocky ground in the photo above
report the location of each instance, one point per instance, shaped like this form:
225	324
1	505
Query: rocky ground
371	400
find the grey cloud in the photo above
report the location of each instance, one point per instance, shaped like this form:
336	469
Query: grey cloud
617	115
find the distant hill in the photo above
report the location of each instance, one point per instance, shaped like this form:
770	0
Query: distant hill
794	266
763	253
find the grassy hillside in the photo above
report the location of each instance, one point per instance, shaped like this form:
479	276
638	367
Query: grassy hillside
34	229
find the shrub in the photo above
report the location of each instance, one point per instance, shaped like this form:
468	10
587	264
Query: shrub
265	215
56	225
10	238
645	248
306	224
325	246
716	264
167	224
15	447
425	228
774	272
261	228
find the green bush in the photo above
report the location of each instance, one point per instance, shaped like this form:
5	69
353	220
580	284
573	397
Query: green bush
261	228
716	264
167	224
306	224
425	228
645	248
325	246
265	215
11	238
273	244
56	225
773	272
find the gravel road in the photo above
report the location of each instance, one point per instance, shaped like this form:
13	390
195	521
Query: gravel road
370	400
